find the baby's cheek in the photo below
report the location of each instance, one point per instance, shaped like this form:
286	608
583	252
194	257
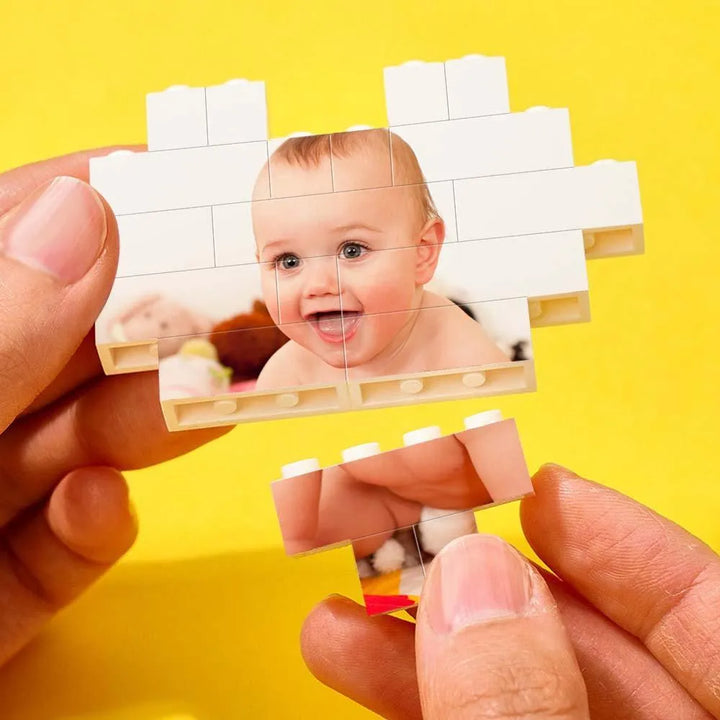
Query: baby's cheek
269	291
293	332
388	294
388	284
289	291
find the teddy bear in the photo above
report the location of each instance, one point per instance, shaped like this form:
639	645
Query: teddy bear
247	341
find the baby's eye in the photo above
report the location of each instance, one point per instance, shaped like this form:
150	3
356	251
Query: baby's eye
288	261
352	250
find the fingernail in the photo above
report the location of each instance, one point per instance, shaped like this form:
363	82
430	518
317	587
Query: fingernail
481	578
337	597
555	466
59	229
554	469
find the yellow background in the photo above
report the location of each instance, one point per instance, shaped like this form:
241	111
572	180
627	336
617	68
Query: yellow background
201	620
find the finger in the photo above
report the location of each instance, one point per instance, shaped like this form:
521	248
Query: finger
18	183
643	571
490	642
50	556
371	660
14	186
58	255
115	421
623	680
84	365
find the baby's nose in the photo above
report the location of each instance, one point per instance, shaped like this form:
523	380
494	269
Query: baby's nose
321	276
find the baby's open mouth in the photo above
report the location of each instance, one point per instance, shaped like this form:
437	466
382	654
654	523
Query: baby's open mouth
335	326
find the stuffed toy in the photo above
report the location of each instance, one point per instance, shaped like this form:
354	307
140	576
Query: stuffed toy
246	342
193	372
155	316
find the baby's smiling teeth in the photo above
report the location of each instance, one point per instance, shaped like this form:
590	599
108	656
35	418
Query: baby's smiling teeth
332	323
329	323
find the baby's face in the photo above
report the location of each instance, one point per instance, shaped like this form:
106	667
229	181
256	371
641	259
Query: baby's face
358	253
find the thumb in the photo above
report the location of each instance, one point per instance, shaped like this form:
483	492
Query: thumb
58	254
490	642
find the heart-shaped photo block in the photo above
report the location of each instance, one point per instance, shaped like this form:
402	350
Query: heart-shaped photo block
373	267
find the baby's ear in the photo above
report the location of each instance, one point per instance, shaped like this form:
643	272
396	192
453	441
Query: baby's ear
433	231
432	236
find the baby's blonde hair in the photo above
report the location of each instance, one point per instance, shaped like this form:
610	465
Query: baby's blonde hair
309	151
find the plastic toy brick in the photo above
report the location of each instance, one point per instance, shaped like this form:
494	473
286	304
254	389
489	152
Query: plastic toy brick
234	243
220	410
225	377
183	117
540	267
537	139
136	182
442	385
399	508
177	118
549	269
232	228
156	306
236	112
222	378
463	338
369	268
392	578
166	241
476	85
602	199
418	92
373	492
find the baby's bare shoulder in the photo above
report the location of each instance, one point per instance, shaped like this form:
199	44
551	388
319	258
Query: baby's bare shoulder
281	369
467	340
